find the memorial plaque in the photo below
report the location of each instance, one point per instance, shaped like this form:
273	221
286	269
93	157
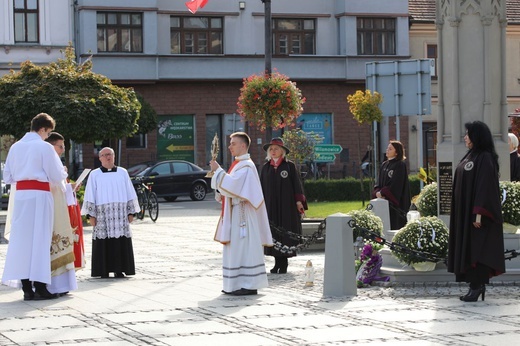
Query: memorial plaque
445	187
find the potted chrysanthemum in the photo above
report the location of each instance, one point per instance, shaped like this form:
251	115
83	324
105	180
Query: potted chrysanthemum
270	101
426	201
428	235
510	205
365	219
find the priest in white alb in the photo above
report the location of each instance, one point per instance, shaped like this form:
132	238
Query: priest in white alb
243	228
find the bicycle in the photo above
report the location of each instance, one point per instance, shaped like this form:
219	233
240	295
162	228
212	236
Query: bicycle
147	199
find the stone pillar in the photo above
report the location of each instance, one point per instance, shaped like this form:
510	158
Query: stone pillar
339	278
471	48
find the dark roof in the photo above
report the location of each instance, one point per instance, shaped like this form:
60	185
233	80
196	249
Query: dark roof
424	11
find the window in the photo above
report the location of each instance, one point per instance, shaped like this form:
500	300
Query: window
376	36
119	32
196	35
431	53
180	167
162	169
137	141
26	21
294	36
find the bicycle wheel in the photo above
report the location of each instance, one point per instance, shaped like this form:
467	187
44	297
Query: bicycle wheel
153	206
141	198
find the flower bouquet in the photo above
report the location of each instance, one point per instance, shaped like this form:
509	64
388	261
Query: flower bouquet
366	219
428	235
510	205
426	201
270	101
368	266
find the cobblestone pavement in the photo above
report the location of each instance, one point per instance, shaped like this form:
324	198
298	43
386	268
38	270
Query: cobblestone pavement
175	299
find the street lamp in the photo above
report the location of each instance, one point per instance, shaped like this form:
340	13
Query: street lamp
268	51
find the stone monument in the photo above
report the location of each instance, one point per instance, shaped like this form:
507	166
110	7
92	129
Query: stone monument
472	81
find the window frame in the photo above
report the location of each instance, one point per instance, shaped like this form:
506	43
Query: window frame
26	12
119	27
373	39
433	56
278	31
182	31
137	137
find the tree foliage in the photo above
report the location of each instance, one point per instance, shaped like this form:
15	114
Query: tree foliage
86	106
148	116
301	145
364	106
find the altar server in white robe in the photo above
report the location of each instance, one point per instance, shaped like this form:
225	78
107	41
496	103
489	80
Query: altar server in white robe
32	165
110	203
243	228
62	246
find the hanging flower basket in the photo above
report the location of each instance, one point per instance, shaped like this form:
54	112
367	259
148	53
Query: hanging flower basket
270	101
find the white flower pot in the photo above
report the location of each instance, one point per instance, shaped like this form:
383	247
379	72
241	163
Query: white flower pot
424	266
508	228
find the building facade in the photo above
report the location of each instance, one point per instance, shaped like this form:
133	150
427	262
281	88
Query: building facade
190	67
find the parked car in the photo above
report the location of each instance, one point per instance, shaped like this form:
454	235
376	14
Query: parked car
173	178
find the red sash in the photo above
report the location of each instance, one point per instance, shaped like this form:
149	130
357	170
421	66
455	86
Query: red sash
32	185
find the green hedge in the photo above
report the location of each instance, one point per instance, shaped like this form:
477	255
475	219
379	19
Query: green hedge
348	189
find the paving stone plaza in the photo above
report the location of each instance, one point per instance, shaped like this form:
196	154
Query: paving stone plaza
175	299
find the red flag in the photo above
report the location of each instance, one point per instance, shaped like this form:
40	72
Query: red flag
195	5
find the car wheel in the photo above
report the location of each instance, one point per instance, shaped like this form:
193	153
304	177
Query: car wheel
170	199
198	192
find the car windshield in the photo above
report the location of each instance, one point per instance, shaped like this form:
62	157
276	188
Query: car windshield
137	169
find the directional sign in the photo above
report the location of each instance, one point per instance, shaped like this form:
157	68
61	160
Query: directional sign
325	157
328	149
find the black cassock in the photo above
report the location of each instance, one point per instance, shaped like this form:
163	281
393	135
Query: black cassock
514	161
476	254
394	185
282	188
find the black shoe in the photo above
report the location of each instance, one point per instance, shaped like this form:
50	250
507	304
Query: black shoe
244	292
104	276
283	265
44	295
119	275
63	294
28	296
225	292
474	294
275	270
28	293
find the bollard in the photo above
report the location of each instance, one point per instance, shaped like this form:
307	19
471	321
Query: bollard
340	275
380	208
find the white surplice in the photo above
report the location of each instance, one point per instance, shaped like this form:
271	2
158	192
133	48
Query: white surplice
243	227
28	255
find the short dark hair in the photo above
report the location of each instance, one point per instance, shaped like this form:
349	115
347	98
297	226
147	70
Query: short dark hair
243	136
42	121
54	137
399	149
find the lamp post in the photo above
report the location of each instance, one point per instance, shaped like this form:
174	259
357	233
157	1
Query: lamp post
268	53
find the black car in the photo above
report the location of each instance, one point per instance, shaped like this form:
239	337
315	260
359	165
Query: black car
173	178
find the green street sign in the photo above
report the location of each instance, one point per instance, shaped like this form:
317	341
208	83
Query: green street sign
325	158
328	149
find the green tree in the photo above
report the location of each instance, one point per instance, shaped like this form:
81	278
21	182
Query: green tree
301	145
148	116
86	105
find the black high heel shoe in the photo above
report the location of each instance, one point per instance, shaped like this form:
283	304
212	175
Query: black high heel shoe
473	294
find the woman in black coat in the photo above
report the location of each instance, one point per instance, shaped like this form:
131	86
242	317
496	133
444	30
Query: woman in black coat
284	200
476	243
393	184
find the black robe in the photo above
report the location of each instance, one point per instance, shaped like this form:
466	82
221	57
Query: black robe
476	254
394	186
282	188
514	161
